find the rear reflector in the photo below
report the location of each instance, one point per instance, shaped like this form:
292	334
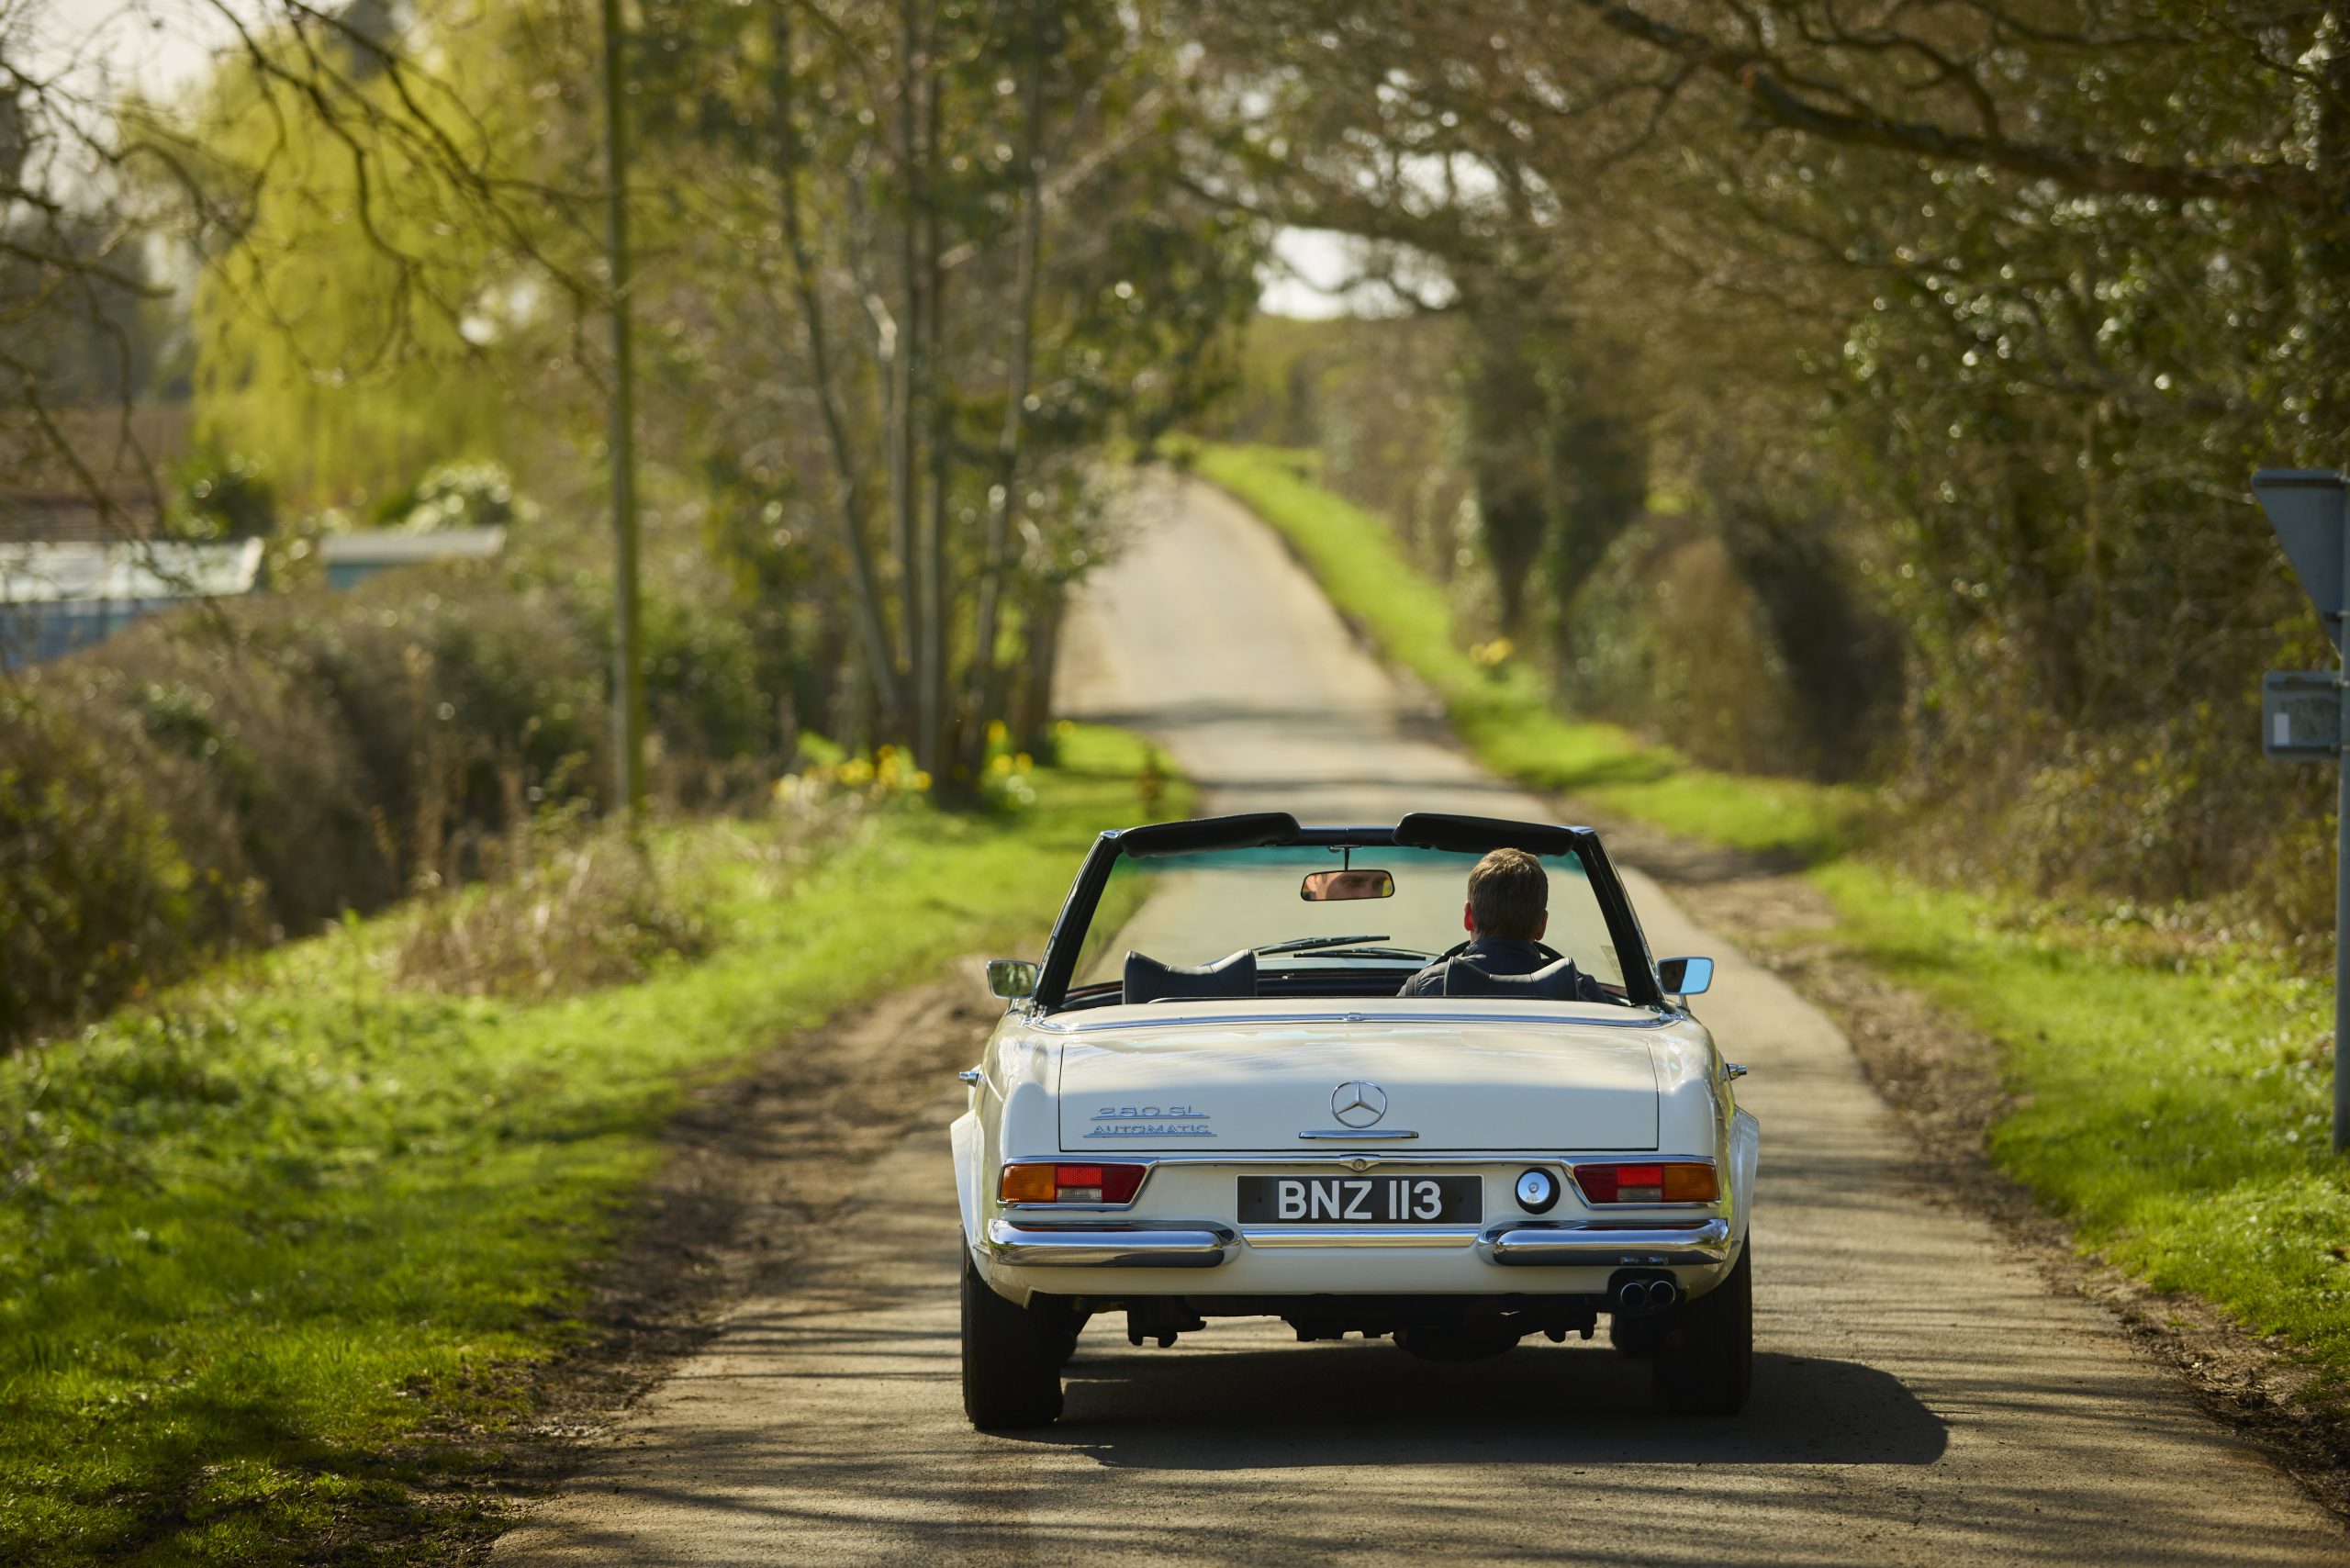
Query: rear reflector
1681	1181
1056	1183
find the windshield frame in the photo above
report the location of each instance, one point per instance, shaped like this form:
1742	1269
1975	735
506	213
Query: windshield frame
1421	830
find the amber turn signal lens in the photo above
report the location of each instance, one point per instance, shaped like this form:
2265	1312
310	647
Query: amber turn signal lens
1690	1184
1028	1184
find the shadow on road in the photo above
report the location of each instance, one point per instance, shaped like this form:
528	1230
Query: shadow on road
1351	1403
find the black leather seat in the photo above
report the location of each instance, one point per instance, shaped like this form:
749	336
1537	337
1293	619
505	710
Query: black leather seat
1226	980
1560	981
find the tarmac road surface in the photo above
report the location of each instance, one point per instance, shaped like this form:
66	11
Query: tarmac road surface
1920	1396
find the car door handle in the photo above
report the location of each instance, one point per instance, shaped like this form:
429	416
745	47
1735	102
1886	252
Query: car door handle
971	1075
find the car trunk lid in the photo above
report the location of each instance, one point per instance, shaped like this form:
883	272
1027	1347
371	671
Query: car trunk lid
1500	1080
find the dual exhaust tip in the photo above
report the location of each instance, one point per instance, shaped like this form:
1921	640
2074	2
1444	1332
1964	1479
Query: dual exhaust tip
1646	1296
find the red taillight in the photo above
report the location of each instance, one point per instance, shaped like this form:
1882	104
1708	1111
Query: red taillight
1056	1183
1682	1182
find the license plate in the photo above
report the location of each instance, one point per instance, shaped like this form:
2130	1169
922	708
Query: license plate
1361	1200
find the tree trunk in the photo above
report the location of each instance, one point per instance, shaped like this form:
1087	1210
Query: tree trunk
930	698
1032	719
867	612
2330	252
987	682
912	372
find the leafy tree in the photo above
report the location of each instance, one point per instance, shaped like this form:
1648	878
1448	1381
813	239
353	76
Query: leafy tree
1970	316
910	269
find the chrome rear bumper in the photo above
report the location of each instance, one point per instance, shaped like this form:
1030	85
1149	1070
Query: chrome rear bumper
1206	1244
1586	1246
1111	1246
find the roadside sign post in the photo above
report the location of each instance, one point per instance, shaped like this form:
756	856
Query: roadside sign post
2309	510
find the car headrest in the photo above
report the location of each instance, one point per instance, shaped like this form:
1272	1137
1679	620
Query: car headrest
1552	982
1226	980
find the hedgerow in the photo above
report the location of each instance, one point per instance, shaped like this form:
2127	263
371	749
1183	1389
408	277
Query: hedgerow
244	770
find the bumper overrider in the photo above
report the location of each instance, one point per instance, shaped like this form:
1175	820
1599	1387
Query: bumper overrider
1517	1244
1111	1246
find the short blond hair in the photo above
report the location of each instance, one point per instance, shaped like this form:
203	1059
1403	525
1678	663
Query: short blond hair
1509	893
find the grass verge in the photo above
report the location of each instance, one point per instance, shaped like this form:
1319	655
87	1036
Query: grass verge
265	1246
2172	1100
2174	1104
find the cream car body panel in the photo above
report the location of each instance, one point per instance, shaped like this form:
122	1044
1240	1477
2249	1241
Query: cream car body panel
1488	1086
1504	1076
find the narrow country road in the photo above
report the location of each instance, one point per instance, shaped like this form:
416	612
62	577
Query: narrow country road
1920	1394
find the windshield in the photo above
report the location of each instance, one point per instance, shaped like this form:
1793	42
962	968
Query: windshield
1194	908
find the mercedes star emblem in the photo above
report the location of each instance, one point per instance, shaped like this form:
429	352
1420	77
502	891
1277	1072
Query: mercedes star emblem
1358	1104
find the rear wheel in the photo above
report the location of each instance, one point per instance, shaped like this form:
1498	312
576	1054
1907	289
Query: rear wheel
1705	1348
1072	1325
1012	1357
1634	1336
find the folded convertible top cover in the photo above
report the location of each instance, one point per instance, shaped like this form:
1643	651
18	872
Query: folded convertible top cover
1226	980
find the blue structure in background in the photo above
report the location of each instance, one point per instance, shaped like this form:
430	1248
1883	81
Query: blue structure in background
352	558
55	597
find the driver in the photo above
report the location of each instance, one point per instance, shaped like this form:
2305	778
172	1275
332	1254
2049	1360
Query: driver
1507	911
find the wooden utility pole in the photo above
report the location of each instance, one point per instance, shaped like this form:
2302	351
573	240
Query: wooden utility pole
628	673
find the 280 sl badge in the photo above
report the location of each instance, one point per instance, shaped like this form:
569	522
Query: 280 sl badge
1149	1121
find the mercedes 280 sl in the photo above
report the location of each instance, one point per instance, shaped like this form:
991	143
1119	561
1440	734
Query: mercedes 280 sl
1212	1098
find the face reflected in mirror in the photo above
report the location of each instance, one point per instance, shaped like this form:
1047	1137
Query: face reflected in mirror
1336	887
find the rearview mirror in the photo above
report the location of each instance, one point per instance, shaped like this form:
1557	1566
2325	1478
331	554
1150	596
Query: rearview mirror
1334	887
1684	977
1012	979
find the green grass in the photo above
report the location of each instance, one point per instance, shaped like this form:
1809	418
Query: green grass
2173	1102
2176	1106
258	1244
1503	709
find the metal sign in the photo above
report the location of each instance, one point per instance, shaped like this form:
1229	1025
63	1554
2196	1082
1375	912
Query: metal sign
2304	714
2300	715
2305	506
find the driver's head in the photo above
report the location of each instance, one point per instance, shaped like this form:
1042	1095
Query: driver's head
1509	897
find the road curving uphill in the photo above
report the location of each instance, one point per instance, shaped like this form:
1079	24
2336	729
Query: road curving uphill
1919	1394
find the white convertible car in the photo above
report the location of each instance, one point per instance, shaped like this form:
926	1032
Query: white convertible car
1209	1101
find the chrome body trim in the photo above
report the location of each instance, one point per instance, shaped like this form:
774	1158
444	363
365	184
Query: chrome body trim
1110	1245
1584	1246
1274	1238
1365	1136
1648	1018
971	1075
1312	1158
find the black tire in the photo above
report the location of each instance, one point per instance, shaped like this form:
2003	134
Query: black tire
1635	1337
1705	1351
1012	1358
1073	1324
